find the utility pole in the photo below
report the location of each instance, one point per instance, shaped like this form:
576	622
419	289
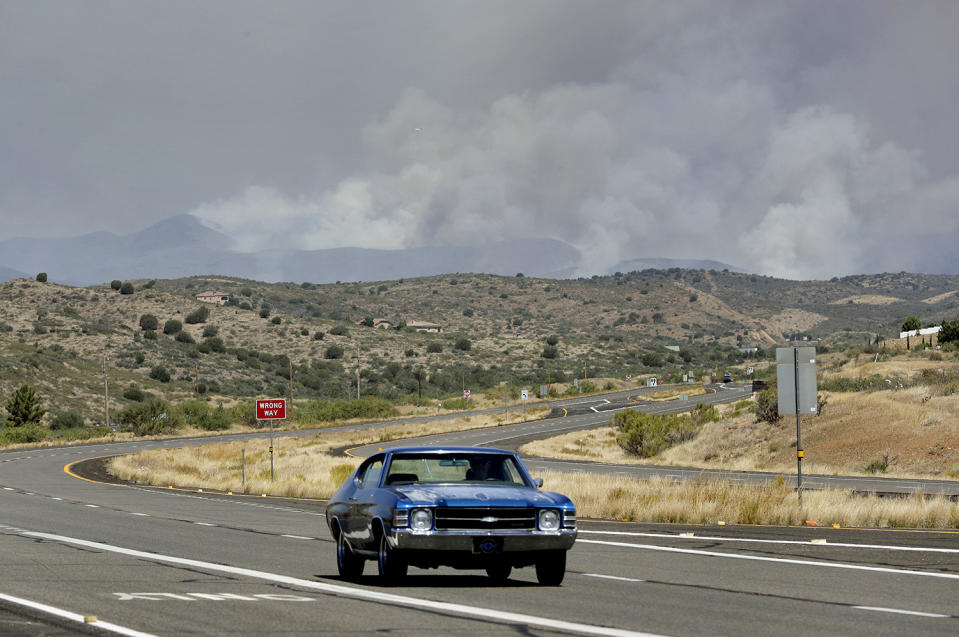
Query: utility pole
106	391
357	350
196	382
291	384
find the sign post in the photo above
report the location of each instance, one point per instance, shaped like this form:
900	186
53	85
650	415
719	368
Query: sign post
271	409
796	375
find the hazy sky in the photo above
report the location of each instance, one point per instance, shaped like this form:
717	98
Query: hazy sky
803	139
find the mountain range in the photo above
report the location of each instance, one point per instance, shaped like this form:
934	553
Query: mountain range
182	246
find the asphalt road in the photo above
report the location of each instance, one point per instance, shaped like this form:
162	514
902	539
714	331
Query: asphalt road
171	562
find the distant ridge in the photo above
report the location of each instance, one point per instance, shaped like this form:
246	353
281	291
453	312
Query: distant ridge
664	264
182	246
8	274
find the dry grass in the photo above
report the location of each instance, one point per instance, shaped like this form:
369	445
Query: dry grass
867	299
669	394
302	465
710	501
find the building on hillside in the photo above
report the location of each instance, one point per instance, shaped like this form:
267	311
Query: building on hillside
219	298
425	326
382	323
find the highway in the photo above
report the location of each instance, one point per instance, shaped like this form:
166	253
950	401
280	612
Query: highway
156	561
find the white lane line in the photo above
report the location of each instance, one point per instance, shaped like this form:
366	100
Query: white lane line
76	617
144	515
204	524
7	489
757	558
358	593
298	537
758	541
92	506
618	579
898	611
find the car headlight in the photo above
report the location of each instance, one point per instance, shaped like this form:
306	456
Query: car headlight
421	519
549	520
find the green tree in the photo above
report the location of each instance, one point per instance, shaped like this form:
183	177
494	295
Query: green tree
116	284
126	288
949	331
552	340
333	352
24	407
172	326
463	344
42	277
911	323
160	373
550	351
149	322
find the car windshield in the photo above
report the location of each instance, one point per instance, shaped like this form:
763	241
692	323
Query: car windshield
465	468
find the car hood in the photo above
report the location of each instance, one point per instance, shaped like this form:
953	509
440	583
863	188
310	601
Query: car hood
478	496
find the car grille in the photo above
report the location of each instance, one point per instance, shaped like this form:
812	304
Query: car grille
484	518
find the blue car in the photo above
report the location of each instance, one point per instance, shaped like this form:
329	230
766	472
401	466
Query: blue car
463	507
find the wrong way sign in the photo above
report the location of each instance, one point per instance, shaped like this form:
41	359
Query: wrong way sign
271	409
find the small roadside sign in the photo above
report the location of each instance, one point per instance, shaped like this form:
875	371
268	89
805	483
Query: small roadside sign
524	394
271	409
466	394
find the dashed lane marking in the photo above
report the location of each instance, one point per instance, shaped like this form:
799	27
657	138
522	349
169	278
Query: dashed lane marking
898	611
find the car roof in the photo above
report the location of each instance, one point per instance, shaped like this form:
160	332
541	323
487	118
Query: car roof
441	450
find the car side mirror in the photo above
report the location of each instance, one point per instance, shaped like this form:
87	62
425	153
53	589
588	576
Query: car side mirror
538	482
356	483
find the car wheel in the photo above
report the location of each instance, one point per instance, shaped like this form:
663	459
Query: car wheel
551	568
348	564
391	566
499	573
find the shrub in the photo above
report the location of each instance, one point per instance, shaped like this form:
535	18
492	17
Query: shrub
458	404
151	418
172	326
318	335
339	330
134	393
550	351
160	373
276	320
198	414
184	337
42	277
330	410
199	315
66	420
333	352
139	358
552	340
434	348
116	284
210	330
21	435
149	322
410	352
24	408
212	344
463	344
767	406
126	288
150	335
646	435
264	311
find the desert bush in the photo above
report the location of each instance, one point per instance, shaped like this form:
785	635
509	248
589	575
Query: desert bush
199	315
458	404
767	406
646	435
150	418
338	330
150	335
172	326
116	284
333	352
66	420
42	277
210	330
318	335
149	322
330	410
160	373
276	320
552	340
126	288
24	434
463	344
550	351
199	414
434	348
184	337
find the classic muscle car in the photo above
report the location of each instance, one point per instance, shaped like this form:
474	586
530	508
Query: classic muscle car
463	507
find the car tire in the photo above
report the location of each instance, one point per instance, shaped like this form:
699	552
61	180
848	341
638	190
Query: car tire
391	565
499	573
348	564
551	568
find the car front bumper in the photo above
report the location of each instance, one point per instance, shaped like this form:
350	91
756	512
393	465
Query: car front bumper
473	541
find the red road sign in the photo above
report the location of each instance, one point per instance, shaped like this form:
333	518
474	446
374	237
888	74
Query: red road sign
271	409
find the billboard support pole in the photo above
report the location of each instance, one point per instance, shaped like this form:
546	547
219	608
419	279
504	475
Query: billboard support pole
799	452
